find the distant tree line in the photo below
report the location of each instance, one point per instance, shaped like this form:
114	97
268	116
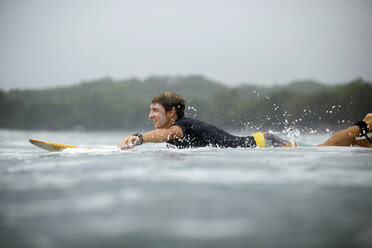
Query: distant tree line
106	104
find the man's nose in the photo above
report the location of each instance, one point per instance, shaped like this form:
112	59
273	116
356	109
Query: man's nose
151	115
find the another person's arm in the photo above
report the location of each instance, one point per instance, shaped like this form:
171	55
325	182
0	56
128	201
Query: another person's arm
348	136
155	136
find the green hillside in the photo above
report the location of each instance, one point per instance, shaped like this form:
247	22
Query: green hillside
106	104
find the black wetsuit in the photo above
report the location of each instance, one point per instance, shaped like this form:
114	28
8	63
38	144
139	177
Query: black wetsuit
200	134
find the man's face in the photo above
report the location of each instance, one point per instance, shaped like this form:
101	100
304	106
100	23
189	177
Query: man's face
159	116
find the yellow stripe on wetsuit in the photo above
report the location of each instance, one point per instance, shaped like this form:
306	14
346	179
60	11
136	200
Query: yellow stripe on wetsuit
261	141
259	137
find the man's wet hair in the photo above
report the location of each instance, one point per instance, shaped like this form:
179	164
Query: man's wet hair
170	100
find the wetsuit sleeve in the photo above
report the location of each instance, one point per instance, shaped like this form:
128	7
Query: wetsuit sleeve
182	126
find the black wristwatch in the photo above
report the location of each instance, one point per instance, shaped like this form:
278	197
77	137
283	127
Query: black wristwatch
140	137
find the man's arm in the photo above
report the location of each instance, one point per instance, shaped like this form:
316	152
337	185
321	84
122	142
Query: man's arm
155	136
348	136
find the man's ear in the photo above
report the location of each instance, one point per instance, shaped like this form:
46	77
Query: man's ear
172	112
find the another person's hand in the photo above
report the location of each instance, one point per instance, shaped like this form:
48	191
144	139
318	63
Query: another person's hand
129	142
368	120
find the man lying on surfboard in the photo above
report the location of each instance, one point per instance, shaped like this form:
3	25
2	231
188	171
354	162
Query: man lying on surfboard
167	113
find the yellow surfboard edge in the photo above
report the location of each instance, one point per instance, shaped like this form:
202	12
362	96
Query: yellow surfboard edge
52	147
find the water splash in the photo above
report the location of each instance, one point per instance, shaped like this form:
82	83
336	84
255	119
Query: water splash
194	111
292	133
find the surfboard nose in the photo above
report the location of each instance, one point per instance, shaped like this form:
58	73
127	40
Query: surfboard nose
52	147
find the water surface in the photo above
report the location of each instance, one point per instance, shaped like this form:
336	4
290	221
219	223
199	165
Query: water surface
153	196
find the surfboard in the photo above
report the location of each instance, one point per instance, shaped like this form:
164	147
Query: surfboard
52	147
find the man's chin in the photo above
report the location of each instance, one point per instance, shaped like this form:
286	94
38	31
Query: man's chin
158	126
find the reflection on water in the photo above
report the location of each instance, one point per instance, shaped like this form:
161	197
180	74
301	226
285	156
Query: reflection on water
152	196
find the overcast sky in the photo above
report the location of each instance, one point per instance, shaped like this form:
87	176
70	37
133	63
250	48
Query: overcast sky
49	43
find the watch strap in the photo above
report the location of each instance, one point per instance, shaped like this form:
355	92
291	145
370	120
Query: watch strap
140	137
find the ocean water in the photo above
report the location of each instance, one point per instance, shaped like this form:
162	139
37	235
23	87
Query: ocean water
152	196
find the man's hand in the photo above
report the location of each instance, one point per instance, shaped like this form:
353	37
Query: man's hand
368	120
129	142
155	136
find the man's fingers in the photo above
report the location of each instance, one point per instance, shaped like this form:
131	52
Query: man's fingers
128	143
